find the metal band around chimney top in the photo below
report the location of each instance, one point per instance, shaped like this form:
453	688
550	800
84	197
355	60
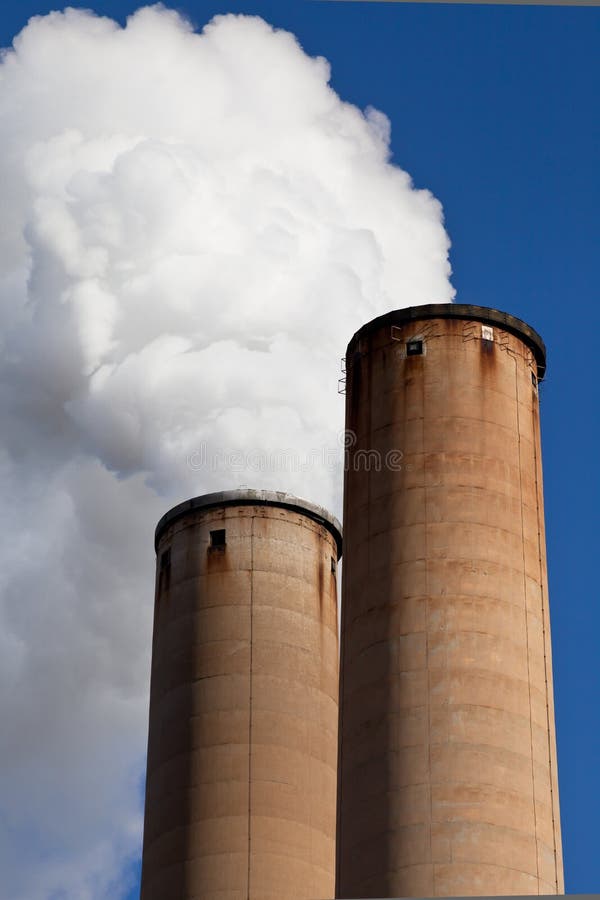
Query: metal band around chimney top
466	311
248	497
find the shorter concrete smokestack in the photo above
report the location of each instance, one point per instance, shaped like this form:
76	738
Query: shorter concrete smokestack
242	746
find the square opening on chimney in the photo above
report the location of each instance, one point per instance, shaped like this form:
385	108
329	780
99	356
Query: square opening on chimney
218	538
414	348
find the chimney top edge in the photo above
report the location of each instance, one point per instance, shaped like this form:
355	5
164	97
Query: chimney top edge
251	497
483	314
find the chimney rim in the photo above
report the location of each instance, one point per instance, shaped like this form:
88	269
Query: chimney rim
483	314
251	497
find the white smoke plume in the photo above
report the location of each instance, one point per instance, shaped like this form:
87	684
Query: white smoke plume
192	227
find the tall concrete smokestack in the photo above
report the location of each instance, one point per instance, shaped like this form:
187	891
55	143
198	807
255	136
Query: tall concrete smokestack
242	746
447	773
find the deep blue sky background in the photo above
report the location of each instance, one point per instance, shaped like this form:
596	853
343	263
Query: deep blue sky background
495	109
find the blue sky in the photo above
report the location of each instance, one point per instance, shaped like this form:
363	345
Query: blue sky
494	109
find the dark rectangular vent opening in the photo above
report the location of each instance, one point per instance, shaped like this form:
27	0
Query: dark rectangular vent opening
414	348
333	565
217	538
164	574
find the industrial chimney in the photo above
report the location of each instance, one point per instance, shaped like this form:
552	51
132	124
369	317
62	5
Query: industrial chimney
242	746
447	760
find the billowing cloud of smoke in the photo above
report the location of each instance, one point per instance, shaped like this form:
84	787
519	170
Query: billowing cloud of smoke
193	225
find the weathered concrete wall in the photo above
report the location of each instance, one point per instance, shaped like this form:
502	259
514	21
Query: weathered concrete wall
242	748
447	782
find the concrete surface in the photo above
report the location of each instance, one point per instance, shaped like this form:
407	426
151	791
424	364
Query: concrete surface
242	748
447	780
